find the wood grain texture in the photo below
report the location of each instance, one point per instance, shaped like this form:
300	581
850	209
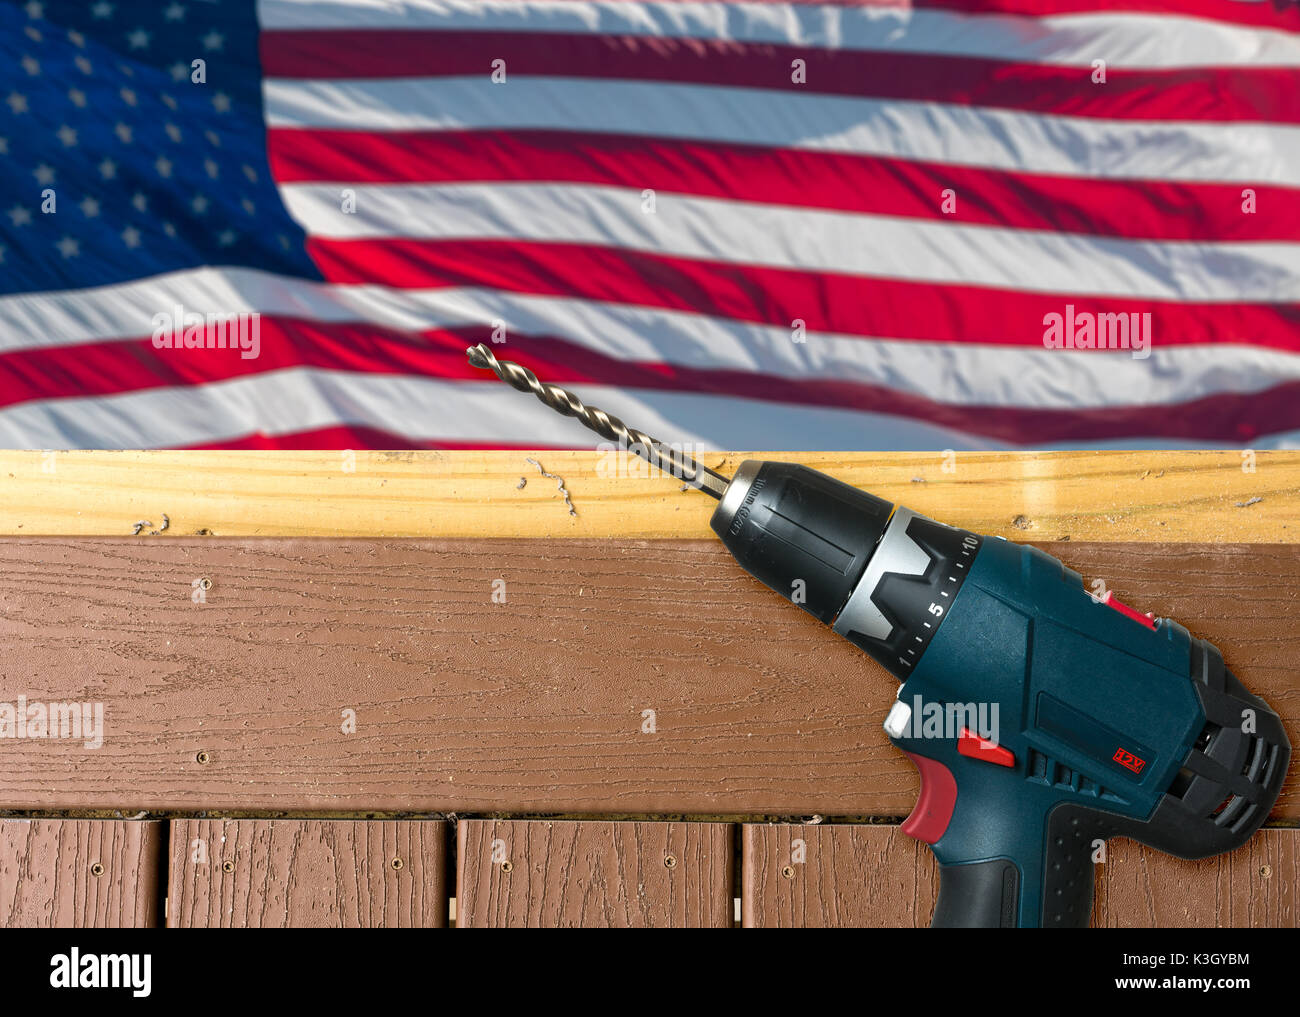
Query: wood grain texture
879	877
80	873
1110	496
285	873
546	874
835	876
1253	887
537	704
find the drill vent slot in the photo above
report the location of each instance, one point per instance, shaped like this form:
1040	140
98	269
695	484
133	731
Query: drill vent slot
1043	769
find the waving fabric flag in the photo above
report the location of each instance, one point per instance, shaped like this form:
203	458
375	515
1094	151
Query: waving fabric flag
943	224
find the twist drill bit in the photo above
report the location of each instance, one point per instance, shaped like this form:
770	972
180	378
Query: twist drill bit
653	451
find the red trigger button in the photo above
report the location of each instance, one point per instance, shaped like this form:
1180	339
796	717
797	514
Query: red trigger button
971	744
933	810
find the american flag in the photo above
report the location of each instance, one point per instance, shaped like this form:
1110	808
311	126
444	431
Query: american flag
734	224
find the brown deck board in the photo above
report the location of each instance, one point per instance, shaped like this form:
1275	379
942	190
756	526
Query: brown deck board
536	705
284	873
80	873
877	876
546	873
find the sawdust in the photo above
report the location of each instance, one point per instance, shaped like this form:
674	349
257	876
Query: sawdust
559	483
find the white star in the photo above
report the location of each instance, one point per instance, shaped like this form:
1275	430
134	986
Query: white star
44	175
284	241
123	132
83	65
179	72
248	206
68	247
4	146
211	168
76	38
35	10
131	237
128	96
101	10
199	204
174	13
139	202
169	229
17	103
163	166
139	39
2	253
32	33
213	138
250	173
213	41
169	102
108	169
31	65
226	237
67	135
173	132
89	207
20	216
221	102
77	97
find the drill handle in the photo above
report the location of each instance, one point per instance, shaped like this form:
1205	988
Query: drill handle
987	894
1008	857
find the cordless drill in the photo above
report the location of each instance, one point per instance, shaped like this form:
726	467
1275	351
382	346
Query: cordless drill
1043	718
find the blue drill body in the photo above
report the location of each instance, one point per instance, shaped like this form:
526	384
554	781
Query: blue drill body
1043	718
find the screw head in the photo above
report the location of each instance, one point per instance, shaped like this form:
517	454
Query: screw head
97	869
507	866
670	861
203	757
227	866
787	871
397	863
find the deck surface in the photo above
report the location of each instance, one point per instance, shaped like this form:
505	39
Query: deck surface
320	664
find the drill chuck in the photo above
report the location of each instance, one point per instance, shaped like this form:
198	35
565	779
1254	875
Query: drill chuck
805	535
883	577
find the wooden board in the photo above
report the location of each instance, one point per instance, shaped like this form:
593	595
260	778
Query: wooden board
546	873
877	876
247	700
834	876
1111	496
80	873
1253	887
286	873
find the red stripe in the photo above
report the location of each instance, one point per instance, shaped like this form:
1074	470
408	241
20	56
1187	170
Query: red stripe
826	302
1279	14
333	439
1145	209
1217	94
113	368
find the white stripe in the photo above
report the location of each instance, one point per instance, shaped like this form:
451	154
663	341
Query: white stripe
285	402
957	373
1124	40
805	239
937	132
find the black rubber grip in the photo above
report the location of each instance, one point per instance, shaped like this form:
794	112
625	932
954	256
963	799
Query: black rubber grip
1072	835
978	895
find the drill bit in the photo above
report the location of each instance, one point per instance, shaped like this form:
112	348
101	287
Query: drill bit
653	451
